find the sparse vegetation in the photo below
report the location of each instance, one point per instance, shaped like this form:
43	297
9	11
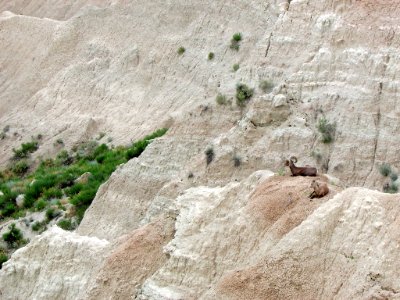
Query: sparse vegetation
14	237
266	86
190	175
3	257
243	94
385	170
181	50
51	213
235	67
59	142
211	56
394	176
392	186
20	167
25	150
221	99
209	155
235	41
54	179
237	161
39	226
327	130
66	224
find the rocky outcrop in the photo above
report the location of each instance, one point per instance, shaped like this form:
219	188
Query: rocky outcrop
54	265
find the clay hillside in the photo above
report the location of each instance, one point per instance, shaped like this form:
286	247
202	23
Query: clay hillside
147	149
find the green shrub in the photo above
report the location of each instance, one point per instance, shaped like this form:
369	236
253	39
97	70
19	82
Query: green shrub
327	130
221	99
181	50
20	167
64	159
385	170
266	86
39	226
235	67
8	210
209	155
25	150
40	204
51	213
394	176
243	94
391	187
237	37
66	224
3	259
211	56
35	190
52	193
235	41
13	237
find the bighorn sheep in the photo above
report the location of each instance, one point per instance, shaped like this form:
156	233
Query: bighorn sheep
300	171
320	189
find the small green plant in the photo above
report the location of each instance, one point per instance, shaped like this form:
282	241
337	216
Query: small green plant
3	135
385	170
221	99
235	41
266	86
235	67
391	188
25	150
327	130
66	224
20	167
237	161
3	259
40	204
39	226
51	213
394	176
209	155
211	56
13	237
243	94
181	50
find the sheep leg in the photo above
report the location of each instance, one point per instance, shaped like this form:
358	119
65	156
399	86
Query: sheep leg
312	195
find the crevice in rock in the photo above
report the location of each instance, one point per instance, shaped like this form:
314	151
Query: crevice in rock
377	126
268	45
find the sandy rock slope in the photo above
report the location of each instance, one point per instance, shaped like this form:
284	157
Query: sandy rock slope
71	71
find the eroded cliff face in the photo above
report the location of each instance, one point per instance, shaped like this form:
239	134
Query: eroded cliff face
225	231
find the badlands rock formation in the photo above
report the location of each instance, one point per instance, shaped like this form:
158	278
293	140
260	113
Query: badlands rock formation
71	71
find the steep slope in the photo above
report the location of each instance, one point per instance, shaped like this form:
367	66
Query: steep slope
240	233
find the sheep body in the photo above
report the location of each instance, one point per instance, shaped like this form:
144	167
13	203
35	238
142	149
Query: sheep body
320	189
300	171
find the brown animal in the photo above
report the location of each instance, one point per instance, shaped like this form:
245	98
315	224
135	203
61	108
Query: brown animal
300	171
320	189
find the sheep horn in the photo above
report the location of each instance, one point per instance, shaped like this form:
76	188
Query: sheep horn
293	159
